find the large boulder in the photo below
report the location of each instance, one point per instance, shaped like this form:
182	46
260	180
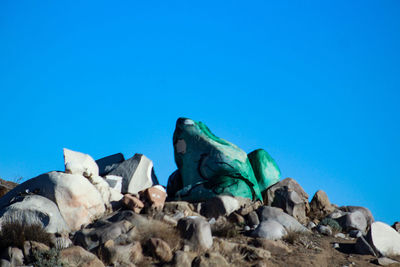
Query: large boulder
265	168
353	221
270	229
137	174
109	163
365	211
209	166
35	209
320	206
287	221
80	164
77	199
289	196
384	239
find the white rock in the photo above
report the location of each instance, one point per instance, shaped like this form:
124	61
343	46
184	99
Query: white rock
272	213
77	199
221	205
269	229
35	209
196	231
80	163
108	193
114	182
353	221
137	174
384	239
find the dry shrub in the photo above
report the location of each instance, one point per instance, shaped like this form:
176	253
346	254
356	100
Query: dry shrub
15	234
225	230
160	230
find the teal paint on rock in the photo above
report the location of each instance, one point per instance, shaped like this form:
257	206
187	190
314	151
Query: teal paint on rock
265	168
209	166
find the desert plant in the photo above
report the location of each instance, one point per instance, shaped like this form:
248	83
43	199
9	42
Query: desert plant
335	226
291	237
46	258
15	234
225	230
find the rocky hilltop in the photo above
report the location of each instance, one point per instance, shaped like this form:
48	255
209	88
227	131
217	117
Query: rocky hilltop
221	207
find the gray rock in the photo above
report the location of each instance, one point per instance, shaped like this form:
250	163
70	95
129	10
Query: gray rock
62	242
363	247
324	229
287	221
383	261
221	205
353	221
159	249
366	212
78	201
114	182
90	238
289	196
5	263
396	226
76	256
269	229
109	163
137	174
14	255
340	235
336	214
35	209
252	219
182	259
196	231
311	225
120	255
384	239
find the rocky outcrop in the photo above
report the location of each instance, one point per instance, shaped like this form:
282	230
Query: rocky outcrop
35	209
78	201
6	186
320	206
289	196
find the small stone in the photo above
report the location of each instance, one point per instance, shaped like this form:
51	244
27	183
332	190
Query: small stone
182	259
160	249
335	245
210	260
396	226
76	256
236	218
247	228
221	205
340	235
383	261
324	229
311	225
133	203
252	218
155	196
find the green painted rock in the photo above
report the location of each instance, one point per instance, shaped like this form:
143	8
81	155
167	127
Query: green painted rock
265	168
210	166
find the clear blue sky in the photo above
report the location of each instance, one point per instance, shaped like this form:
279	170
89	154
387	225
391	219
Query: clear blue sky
315	83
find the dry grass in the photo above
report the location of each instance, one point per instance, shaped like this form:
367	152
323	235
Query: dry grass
15	234
226	230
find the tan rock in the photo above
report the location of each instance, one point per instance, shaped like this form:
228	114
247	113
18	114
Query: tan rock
123	255
133	203
320	206
155	196
210	260
159	249
6	186
78	257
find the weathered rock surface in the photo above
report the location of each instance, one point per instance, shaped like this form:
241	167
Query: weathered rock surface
196	231
154	196
265	169
137	174
287	221
221	205
109	163
366	212
384	239
14	256
320	206
132	202
289	196
270	229
396	226
35	209
210	260
209	166
80	164
77	199
120	255
160	249
114	182
78	257
353	221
